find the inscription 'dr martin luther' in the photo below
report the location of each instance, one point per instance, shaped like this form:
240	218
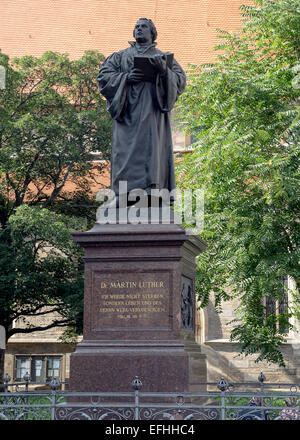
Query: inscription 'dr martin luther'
142	302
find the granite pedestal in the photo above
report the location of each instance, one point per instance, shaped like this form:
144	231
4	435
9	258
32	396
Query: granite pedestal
132	309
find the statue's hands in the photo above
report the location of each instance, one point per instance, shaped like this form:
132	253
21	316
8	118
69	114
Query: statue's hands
159	62
135	76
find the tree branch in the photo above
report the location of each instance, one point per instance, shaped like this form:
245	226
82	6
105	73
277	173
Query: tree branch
34	311
57	189
13	331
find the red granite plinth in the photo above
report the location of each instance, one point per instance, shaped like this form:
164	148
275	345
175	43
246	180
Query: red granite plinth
112	370
132	309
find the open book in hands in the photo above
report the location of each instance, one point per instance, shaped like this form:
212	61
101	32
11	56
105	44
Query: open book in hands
149	71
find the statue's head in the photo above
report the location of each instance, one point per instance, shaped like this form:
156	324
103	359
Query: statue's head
145	30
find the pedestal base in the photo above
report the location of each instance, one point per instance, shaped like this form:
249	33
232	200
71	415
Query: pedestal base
160	367
132	310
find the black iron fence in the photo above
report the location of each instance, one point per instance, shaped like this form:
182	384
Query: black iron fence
225	401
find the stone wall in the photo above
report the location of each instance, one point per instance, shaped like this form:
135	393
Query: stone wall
38	343
36	349
224	359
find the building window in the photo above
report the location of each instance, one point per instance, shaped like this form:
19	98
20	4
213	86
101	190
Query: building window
37	369
22	367
275	307
53	367
40	368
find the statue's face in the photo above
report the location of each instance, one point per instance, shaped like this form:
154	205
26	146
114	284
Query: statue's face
142	32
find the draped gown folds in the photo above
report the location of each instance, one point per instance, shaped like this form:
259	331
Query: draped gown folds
141	151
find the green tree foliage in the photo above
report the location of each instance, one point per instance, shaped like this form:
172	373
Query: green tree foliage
244	113
52	120
40	270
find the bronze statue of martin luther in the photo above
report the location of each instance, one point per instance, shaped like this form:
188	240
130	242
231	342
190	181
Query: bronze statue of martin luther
139	99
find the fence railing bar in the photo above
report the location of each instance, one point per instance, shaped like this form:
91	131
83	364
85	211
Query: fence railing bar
225	402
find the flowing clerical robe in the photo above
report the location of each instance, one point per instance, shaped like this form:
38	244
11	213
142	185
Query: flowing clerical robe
141	150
